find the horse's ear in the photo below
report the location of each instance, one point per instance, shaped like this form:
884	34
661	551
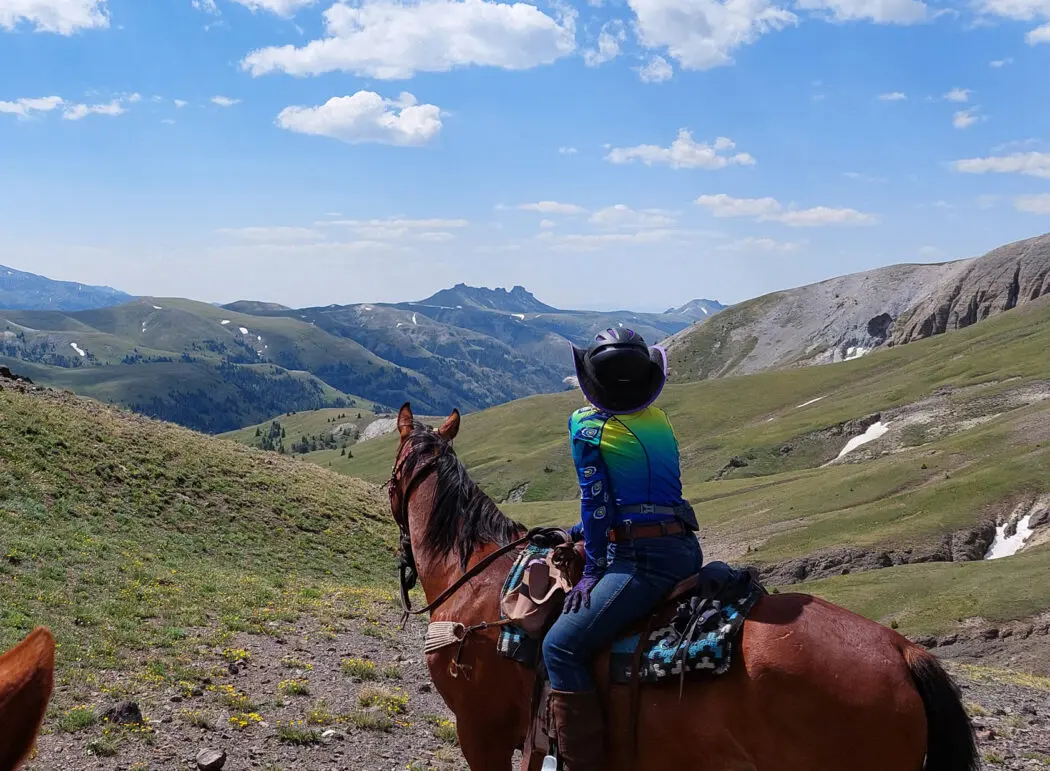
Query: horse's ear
405	421
451	427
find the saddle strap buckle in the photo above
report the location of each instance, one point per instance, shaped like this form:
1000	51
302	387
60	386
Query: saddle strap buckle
647	508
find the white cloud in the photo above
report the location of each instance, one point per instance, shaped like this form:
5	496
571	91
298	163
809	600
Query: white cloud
180	103
81	111
997	63
613	33
656	70
1038	35
590	242
168	122
702	34
1033	204
965	118
771	210
552	207
224	101
391	228
366	117
623	216
280	7
878	11
819	216
568	150
207	6
1021	10
546	224
1032	164
893	96
62	16
684	153
723	205
754	244
958	95
270	234
390	40
25	108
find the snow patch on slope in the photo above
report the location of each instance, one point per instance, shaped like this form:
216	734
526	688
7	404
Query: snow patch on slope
875	430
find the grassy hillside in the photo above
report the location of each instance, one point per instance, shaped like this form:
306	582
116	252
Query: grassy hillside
209	368
138	541
957	458
337	425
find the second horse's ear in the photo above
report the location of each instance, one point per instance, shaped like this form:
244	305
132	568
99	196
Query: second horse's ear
405	421
451	427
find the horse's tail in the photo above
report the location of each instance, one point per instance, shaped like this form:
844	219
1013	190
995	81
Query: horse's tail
950	744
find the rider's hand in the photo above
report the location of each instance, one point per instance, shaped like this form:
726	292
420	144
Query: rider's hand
580	596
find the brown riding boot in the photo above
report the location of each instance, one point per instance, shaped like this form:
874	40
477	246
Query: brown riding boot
581	730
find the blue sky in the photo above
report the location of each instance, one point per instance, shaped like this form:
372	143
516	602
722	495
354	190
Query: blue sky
612	153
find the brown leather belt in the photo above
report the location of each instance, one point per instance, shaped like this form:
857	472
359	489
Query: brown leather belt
655	530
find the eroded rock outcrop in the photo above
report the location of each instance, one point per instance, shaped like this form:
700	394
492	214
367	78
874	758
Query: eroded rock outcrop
1000	281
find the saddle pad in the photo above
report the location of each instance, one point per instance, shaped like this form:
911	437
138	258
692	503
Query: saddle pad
513	643
711	631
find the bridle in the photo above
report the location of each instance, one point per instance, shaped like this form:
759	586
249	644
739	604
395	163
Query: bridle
408	572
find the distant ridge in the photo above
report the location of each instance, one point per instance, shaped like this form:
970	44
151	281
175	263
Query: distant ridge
255	307
28	291
517	300
697	309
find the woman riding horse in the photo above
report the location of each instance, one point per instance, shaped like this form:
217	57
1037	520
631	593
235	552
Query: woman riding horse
637	530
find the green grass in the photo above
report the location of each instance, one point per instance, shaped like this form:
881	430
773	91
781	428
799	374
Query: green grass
393	702
298	733
368	720
932	598
309	422
121	534
76	719
296	687
359	668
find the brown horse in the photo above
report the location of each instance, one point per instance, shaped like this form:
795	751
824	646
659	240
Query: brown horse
813	687
27	674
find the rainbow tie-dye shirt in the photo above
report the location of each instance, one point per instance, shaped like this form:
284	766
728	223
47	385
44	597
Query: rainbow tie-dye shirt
622	460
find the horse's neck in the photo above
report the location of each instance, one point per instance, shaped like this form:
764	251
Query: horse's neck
437	572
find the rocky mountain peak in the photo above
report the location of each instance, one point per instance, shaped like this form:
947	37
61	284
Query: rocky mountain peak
517	300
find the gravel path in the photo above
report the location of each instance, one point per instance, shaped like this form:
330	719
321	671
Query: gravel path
405	730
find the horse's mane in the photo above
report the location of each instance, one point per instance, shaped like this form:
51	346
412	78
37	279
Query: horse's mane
464	517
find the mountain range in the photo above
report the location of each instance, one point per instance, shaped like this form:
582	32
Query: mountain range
219	368
28	291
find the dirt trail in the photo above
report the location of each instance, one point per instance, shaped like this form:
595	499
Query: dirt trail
1012	712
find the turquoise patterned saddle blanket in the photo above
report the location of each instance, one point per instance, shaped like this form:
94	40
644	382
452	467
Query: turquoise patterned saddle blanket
691	637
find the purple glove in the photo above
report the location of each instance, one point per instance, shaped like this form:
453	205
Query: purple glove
580	596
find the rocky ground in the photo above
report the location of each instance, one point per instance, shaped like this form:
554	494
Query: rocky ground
361	699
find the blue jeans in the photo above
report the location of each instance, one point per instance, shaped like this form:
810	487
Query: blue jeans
640	574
